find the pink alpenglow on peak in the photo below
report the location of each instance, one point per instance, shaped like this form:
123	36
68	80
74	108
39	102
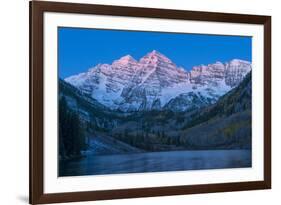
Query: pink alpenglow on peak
127	59
154	81
154	57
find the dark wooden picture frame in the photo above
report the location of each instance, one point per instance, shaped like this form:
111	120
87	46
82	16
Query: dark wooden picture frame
37	9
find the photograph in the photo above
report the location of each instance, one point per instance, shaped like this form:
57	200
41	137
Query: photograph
148	101
131	101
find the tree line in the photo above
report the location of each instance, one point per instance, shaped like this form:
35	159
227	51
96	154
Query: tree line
72	138
147	140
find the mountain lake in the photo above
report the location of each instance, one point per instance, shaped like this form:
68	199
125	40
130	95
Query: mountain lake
156	162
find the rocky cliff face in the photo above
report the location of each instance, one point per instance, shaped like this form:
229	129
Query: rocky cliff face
155	82
225	124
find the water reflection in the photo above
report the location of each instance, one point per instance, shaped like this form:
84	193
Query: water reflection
156	162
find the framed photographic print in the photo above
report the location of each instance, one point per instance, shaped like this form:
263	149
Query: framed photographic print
138	102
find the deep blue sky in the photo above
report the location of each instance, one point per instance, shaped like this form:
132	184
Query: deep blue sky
80	48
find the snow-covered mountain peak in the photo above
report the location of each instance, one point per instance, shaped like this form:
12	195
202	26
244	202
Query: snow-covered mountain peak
125	60
239	61
239	64
218	63
154	81
154	57
99	67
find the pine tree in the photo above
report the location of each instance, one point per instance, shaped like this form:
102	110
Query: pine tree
71	135
62	127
